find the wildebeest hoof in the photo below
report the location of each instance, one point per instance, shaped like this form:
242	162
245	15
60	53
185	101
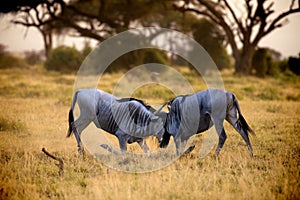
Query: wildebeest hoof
80	151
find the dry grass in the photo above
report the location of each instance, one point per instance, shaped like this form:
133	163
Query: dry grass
34	110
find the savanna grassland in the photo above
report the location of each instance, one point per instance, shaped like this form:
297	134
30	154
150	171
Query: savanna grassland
34	109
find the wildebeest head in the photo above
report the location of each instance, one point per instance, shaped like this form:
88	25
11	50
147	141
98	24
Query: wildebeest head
165	136
163	116
155	119
173	118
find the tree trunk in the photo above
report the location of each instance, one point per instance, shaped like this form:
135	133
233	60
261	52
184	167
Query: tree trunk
48	44
243	64
47	37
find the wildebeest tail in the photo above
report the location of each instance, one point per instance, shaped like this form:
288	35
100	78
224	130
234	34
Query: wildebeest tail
241	120
71	115
71	120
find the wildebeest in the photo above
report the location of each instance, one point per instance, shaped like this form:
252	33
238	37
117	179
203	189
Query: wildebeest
129	119
192	114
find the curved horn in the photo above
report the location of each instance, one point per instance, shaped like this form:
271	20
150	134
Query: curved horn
156	112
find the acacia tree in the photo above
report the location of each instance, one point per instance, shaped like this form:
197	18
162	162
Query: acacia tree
34	13
36	16
243	29
95	19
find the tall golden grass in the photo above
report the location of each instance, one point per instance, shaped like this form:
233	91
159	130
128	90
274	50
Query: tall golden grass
34	110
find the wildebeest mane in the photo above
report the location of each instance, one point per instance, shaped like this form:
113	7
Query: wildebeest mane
138	115
147	106
183	98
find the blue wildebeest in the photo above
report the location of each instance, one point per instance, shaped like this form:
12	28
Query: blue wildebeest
192	114
129	119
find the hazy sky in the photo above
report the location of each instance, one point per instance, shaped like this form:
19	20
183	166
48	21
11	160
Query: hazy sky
286	40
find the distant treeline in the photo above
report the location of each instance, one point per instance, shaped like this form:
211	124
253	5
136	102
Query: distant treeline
68	60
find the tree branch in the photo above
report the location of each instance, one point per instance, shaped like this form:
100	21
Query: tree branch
229	32
239	23
60	165
274	24
85	32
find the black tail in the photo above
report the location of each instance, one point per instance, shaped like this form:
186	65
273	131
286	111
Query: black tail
71	116
244	125
71	120
241	120
165	141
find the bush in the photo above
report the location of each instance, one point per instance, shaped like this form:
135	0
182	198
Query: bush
64	59
33	57
138	57
10	61
212	40
263	63
283	65
86	50
294	64
7	60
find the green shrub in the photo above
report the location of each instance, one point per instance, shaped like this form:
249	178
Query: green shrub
259	62
86	50
208	35
64	59
263	63
283	65
7	60
138	57
33	57
294	64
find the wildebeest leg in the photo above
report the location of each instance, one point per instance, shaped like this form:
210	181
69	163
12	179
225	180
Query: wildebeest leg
78	126
123	144
233	120
180	144
144	146
123	138
222	138
76	134
221	133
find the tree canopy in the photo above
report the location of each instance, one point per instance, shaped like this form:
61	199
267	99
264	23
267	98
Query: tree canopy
244	27
242	30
